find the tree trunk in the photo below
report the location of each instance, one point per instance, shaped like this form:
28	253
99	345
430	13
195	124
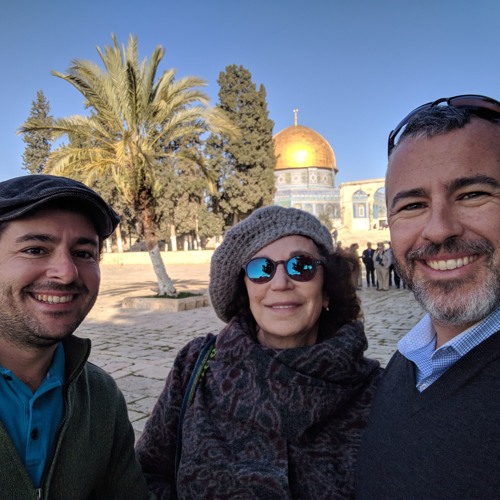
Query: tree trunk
146	222
197	241
173	238
165	284
119	241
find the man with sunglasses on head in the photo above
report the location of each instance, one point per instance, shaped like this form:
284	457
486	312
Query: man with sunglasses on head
64	429
434	429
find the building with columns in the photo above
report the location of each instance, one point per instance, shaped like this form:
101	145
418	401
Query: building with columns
305	178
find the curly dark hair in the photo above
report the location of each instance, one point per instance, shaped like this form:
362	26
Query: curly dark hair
338	284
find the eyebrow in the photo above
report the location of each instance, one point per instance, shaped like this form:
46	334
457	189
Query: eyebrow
469	181
454	185
48	238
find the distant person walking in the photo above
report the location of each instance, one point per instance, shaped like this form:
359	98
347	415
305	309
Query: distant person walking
367	258
392	271
335	235
382	261
357	279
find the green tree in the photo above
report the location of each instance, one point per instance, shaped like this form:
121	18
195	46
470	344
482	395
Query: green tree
132	112
38	142
185	201
325	217
110	192
242	168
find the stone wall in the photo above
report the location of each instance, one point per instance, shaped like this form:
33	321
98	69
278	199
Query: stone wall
138	258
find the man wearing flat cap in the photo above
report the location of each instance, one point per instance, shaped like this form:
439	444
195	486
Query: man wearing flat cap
64	429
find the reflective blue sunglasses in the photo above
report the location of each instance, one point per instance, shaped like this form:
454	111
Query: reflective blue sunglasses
299	268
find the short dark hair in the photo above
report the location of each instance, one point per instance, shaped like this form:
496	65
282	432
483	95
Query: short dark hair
439	120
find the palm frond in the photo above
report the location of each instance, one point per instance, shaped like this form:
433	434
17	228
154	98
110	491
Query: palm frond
135	114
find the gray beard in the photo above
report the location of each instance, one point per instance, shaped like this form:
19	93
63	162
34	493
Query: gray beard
445	301
447	305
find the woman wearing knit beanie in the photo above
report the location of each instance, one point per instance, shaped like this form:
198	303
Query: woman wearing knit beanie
275	405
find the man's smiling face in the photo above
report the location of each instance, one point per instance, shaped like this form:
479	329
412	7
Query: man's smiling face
443	196
49	276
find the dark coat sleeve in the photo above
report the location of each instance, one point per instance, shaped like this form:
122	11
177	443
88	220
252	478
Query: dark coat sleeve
156	448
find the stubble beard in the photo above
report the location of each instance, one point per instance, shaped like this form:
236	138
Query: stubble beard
42	337
446	301
28	332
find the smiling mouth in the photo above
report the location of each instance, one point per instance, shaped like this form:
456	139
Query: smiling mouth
54	299
445	265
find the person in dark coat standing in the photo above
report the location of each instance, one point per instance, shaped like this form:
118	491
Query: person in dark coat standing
283	399
367	258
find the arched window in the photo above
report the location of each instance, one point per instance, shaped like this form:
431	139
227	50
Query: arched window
360	205
334	206
379	207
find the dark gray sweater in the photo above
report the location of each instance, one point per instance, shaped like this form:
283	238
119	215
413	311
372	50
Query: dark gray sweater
443	443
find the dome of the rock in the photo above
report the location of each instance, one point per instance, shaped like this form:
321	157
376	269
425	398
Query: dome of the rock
301	147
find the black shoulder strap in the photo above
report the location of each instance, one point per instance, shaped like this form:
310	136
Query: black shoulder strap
199	369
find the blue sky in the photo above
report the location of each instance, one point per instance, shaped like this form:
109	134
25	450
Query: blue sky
353	68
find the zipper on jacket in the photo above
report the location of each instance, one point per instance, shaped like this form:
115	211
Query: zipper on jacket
66	388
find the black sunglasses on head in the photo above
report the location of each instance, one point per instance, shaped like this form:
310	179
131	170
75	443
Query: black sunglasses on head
479	105
299	268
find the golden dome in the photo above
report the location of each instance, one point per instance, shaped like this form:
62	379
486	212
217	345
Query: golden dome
301	147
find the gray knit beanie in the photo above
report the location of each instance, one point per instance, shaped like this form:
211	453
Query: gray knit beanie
244	240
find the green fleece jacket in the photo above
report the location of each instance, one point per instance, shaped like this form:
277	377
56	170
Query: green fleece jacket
93	456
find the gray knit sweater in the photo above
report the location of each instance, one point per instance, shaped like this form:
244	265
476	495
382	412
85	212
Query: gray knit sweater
263	423
443	443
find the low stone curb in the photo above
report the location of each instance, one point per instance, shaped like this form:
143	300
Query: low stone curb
170	305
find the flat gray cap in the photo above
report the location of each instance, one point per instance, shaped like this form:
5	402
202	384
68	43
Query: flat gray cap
21	195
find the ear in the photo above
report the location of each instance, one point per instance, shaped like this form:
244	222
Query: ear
326	301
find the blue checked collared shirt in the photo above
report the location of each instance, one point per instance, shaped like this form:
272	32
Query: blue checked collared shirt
418	345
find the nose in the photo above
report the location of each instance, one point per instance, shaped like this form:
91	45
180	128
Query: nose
62	268
281	280
442	223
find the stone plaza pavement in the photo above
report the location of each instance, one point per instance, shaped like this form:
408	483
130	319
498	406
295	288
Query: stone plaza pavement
138	347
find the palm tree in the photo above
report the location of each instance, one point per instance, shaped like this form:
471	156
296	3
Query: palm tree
135	121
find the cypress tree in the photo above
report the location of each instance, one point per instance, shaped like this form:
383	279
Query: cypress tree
244	167
38	142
